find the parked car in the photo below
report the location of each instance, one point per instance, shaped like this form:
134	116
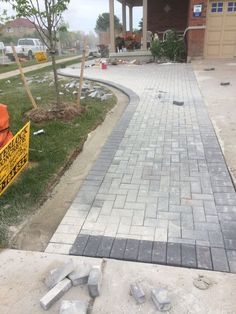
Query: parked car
2	47
26	48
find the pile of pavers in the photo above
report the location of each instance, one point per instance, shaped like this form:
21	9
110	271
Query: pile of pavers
63	278
159	297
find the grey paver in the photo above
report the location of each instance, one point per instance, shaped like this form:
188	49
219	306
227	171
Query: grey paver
160	176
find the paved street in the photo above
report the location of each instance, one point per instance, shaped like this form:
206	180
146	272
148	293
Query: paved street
160	190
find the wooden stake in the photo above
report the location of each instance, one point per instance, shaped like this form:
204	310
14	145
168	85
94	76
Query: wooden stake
23	78
82	72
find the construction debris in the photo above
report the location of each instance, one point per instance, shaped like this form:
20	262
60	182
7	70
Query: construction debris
161	300
95	281
39	132
80	275
225	83
178	103
55	293
209	69
58	274
138	293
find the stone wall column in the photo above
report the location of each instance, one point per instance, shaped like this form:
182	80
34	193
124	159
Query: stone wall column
145	11
112	26
124	16
131	19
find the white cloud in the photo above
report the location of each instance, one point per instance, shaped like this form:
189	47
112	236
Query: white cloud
82	14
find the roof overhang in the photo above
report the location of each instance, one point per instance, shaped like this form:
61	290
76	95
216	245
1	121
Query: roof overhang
133	3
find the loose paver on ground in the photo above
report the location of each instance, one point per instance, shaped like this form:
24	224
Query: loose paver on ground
160	191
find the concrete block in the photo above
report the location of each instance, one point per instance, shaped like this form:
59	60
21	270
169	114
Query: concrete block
138	293
161	300
80	275
55	293
95	281
73	307
58	274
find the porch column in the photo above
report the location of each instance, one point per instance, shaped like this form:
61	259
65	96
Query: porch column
124	16
145	8
131	19
112	26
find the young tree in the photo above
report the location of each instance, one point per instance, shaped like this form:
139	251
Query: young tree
46	16
103	23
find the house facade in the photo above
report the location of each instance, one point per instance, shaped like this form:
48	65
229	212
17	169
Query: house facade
209	26
18	28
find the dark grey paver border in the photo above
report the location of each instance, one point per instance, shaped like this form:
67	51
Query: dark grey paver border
164	253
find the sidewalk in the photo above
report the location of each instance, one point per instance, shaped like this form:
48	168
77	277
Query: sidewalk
160	191
22	286
35	67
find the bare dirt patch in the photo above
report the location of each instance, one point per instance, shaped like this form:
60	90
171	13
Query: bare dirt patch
65	112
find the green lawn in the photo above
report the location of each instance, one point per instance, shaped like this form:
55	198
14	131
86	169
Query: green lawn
50	152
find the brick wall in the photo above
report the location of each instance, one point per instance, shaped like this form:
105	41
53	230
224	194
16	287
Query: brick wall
195	38
160	20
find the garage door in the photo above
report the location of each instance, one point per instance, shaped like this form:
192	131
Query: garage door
221	30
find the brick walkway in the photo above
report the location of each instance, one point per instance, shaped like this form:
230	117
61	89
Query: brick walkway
160	190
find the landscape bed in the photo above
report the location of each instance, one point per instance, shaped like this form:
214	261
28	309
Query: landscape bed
52	151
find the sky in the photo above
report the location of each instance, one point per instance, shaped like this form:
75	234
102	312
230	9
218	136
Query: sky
82	14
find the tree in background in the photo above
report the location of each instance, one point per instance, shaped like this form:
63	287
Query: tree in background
46	16
103	23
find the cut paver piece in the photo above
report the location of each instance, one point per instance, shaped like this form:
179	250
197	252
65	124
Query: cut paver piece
161	299
178	103
80	275
57	274
55	293
138	293
73	307
95	281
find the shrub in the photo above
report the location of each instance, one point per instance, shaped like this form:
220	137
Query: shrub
156	49
173	46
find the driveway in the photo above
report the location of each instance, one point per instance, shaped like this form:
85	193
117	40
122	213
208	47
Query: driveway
160	191
220	101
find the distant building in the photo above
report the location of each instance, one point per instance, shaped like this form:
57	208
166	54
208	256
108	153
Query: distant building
18	28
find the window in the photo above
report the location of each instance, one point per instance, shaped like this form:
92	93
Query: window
216	7
231	6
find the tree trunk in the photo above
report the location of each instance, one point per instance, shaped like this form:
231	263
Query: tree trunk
54	66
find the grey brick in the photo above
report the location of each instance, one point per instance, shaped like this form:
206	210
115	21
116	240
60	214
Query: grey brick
92	246
159	252
188	255
118	249
174	254
105	246
80	275
95	281
216	239
131	250
230	244
79	245
219	259
145	251
55	293
138	293
56	275
204	257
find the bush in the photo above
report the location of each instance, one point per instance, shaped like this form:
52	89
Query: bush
156	49
174	47
171	48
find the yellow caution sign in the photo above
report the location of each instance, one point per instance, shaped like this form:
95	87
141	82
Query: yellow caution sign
14	157
41	56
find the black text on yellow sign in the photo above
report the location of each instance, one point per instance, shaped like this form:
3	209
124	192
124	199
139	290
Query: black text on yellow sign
14	157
